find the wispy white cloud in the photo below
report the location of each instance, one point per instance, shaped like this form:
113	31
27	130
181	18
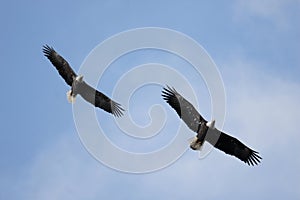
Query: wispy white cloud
276	11
61	170
262	103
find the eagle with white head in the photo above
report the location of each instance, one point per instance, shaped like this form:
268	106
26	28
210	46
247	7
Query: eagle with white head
206	131
79	86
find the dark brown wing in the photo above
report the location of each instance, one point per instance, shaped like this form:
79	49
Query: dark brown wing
233	146
62	66
218	139
98	99
184	109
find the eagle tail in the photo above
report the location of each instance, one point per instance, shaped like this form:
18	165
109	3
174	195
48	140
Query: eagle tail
71	98
196	144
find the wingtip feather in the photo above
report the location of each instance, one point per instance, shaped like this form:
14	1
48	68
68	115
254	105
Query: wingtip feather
254	158
117	109
47	50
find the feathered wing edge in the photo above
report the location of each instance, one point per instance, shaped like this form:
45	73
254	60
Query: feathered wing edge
186	111
117	109
100	100
253	158
62	66
234	147
169	95
104	102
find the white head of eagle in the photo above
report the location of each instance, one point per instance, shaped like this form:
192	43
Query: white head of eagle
211	124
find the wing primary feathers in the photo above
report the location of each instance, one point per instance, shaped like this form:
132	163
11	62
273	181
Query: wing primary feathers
218	139
104	102
234	147
169	95
97	98
185	110
117	109
62	66
250	160
255	157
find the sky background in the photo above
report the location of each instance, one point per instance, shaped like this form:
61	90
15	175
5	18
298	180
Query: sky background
255	45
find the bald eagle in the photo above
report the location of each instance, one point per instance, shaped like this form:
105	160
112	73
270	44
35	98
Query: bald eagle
78	86
206	131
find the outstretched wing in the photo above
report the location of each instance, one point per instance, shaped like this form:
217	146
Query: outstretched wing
218	139
98	99
233	146
62	66
184	109
104	102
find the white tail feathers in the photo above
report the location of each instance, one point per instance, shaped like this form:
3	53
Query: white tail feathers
70	97
196	144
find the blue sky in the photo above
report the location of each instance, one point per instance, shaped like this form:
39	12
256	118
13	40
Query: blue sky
255	46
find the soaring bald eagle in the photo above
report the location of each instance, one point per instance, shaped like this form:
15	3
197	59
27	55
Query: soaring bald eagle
206	131
78	86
